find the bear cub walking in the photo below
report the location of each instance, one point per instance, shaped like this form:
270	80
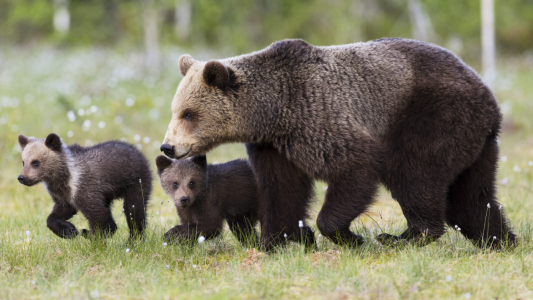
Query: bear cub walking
88	180
205	195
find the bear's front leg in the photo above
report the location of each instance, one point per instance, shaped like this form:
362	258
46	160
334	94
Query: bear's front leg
191	232
285	192
57	221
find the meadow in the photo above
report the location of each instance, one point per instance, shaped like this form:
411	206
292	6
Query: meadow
92	95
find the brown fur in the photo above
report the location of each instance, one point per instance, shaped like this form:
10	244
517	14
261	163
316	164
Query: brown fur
404	113
88	180
218	192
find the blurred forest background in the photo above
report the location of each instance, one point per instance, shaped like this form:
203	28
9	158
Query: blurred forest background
240	26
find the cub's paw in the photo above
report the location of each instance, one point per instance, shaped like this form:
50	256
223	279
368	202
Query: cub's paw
388	239
85	233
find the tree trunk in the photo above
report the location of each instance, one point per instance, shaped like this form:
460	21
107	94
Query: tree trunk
182	18
61	16
488	43
151	34
421	26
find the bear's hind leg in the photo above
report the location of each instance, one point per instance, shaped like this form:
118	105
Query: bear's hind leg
98	213
469	199
346	198
135	204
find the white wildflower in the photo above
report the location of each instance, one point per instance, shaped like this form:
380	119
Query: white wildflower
301	223
448	278
127	250
504	181
101	124
285	235
530	163
164	244
94	294
130	102
468	296
27	233
488	205
504	158
517	169
70	133
168	266
194	266
201	239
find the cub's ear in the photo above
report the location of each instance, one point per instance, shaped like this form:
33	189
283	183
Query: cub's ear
23	141
53	142
162	163
200	160
185	63
216	74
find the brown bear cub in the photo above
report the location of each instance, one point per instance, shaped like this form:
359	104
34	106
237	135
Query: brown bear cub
205	195
88	180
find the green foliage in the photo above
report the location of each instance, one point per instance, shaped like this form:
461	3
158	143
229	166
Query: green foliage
246	25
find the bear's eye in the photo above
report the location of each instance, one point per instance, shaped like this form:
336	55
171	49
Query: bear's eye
175	185
187	116
23	163
35	163
191	184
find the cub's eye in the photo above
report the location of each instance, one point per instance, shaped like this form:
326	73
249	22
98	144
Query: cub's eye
35	163
191	184
23	163
175	185
187	116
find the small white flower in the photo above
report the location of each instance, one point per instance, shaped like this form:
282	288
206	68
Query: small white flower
325	188
94	294
70	133
301	223
458	228
488	205
27	233
504	181
319	235
132	206
201	239
494	237
164	244
101	124
285	235
33	282
94	108
504	158
168	266
146	139
130	102
468	296
118	120
517	169
71	116
81	112
156	212
530	163
448	278
123	209
137	138
500	207
194	266
127	250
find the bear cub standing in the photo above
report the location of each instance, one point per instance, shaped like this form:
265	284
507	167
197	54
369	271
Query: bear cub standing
88	180
205	195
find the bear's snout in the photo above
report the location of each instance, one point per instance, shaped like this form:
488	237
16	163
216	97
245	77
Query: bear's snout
184	200
21	179
168	150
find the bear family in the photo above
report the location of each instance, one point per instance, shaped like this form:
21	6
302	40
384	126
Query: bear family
404	113
207	194
88	180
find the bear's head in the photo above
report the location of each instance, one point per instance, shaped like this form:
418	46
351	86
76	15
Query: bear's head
202	109
41	158
184	181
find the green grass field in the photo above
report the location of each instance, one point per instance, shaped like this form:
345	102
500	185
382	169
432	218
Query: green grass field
110	96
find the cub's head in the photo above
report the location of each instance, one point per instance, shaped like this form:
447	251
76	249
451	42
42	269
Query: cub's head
184	181
203	113
41	158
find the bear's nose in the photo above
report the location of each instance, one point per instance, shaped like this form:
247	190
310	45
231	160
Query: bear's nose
168	150
184	200
21	179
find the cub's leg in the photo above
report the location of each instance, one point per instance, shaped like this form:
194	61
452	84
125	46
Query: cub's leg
191	232
346	198
244	231
98	213
57	220
285	192
135	203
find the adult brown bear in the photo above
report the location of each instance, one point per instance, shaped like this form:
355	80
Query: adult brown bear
405	113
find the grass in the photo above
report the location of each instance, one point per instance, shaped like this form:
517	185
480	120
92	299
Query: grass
39	88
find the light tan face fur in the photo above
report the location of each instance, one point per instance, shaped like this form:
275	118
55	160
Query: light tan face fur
201	117
38	160
176	181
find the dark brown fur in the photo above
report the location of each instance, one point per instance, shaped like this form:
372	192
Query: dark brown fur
219	192
404	113
88	180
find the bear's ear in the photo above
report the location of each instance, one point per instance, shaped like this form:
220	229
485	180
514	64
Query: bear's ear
200	160
23	141
185	63
53	142
216	74
162	163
